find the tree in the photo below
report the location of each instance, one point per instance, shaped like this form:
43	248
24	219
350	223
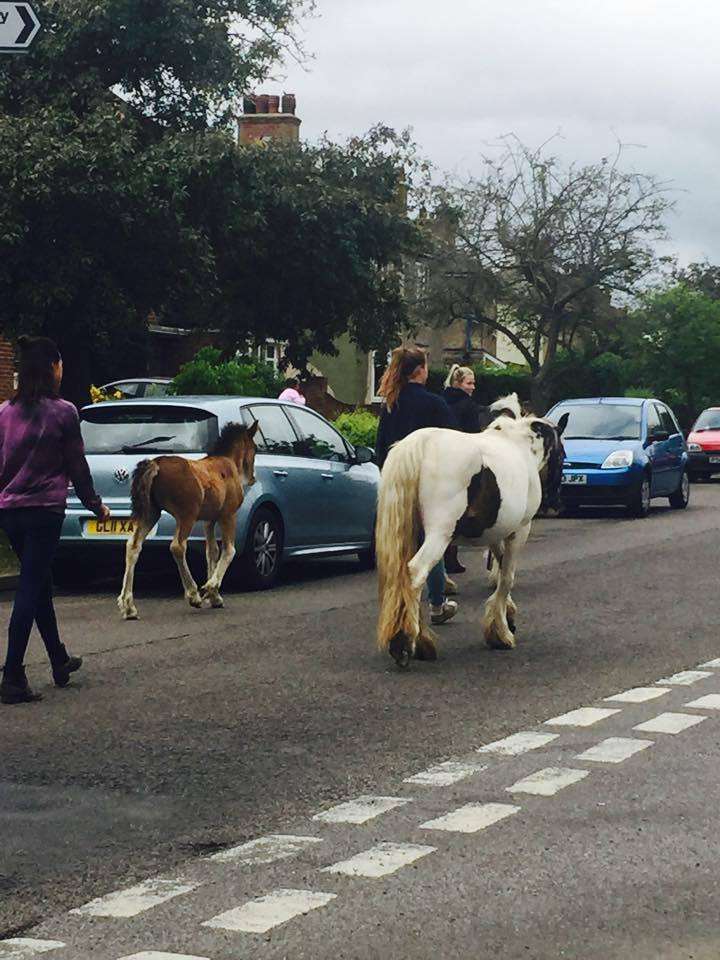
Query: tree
674	340
123	192
532	249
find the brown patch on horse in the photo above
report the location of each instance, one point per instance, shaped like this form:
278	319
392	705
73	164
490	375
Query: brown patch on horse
483	506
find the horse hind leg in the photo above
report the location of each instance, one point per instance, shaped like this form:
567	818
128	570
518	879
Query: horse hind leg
496	623
178	549
212	551
133	548
211	588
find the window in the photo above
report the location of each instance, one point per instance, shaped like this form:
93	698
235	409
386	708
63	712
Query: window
129	389
666	419
275	433
320	440
600	421
708	420
156	389
653	419
149	429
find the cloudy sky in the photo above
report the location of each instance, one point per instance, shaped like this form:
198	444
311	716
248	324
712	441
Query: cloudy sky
463	72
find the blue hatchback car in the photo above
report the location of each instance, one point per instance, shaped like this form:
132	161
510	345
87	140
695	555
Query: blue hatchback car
622	450
314	495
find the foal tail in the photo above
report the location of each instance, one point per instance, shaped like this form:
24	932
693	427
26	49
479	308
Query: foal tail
396	539
144	508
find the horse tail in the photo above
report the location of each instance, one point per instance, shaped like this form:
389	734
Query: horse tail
396	539
144	508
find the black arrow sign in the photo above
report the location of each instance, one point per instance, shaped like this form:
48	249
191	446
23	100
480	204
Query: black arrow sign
28	21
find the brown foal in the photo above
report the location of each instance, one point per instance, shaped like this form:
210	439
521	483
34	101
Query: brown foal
209	490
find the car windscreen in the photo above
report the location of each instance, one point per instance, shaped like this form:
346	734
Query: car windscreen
148	429
708	420
600	421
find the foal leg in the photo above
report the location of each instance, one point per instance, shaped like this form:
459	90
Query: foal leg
212	551
495	624
133	548
211	590
178	548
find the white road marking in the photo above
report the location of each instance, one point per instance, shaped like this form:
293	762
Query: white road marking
445	774
159	955
360	810
264	913
547	782
614	750
135	900
639	695
710	702
669	723
519	743
380	860
686	677
710	665
21	948
471	817
276	846
584	717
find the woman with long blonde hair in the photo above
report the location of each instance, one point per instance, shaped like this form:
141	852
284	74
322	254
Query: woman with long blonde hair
408	406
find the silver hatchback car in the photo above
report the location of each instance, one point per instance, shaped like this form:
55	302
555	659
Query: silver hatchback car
315	494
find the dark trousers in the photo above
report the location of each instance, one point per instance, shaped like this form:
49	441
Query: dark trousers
34	534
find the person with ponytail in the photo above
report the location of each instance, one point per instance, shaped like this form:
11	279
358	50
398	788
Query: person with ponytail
41	453
409	406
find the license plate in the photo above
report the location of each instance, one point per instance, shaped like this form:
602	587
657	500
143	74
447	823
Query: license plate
572	479
714	459
114	527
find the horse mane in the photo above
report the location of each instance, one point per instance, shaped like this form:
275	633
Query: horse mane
509	405
230	434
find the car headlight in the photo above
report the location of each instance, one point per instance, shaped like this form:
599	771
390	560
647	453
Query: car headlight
695	447
618	458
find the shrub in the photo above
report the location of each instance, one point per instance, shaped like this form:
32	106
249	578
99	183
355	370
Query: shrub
489	383
360	427
209	374
98	395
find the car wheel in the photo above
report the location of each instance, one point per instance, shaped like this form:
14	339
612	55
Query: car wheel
639	503
262	557
680	499
367	558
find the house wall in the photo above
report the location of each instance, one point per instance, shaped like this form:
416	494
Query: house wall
347	373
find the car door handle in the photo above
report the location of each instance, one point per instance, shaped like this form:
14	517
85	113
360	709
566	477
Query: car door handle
280	473
326	476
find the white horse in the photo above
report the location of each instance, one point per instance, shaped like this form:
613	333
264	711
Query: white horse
483	489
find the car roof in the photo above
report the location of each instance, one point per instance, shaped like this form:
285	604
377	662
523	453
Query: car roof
626	401
112	383
210	403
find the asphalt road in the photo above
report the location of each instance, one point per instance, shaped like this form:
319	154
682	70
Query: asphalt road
192	731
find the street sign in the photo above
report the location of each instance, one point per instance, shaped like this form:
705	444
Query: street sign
18	26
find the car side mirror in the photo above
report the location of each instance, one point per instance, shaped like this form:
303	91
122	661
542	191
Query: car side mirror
364	455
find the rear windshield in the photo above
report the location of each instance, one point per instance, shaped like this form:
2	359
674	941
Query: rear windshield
600	421
708	420
148	429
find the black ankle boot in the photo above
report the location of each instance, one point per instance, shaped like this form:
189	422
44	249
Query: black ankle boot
452	564
61	671
15	689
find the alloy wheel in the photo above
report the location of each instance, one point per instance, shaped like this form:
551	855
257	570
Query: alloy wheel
265	548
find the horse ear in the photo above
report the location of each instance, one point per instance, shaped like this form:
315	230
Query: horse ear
542	429
562	423
253	429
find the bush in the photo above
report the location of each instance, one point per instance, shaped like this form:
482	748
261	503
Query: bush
360	427
209	374
98	395
489	383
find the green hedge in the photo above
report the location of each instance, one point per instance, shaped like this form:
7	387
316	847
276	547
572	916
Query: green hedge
360	427
209	374
489	384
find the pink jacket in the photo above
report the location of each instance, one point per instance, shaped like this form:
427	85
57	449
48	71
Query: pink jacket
292	395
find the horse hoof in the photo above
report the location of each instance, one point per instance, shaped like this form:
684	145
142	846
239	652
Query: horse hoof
425	650
400	651
195	602
511	625
217	603
496	642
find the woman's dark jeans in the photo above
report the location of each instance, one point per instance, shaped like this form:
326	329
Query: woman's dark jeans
34	533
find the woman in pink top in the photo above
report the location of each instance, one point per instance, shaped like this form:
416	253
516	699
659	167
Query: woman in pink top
291	392
41	452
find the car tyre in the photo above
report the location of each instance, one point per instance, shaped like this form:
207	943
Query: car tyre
261	559
680	499
639	504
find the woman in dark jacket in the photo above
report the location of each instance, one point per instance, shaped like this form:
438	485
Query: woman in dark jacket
41	452
407	407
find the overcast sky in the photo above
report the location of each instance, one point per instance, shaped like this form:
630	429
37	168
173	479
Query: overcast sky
463	72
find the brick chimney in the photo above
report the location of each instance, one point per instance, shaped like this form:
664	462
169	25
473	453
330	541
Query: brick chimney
268	117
